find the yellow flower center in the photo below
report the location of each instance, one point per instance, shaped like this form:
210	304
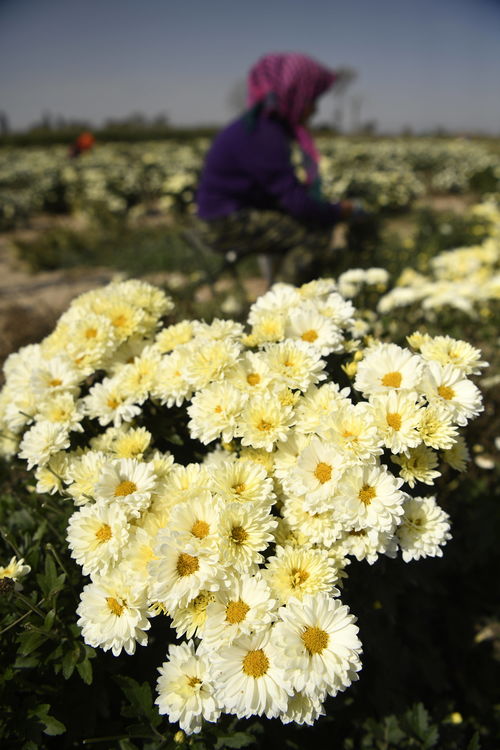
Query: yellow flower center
187	564
446	392
298	576
104	533
193	681
309	336
392	379
55	382
238	534
201	602
239	488
112	402
323	472
255	663
119	320
218	409
236	612
125	488
264	426
315	640
394	420
366	494
114	605
200	529
253	378
91	333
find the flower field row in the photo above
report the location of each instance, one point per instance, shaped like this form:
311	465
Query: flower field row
124	178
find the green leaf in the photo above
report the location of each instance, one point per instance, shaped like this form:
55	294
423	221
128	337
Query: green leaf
51	725
49	620
26	662
69	661
474	744
139	696
238	739
85	671
29	642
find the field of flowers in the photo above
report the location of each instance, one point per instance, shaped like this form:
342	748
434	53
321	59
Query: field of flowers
268	525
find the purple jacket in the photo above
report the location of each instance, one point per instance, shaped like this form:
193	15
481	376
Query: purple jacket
251	168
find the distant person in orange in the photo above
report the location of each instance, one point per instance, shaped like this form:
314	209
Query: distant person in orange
84	142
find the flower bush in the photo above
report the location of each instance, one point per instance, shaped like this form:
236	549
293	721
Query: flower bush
226	477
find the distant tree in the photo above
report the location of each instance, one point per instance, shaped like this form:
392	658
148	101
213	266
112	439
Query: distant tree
4	123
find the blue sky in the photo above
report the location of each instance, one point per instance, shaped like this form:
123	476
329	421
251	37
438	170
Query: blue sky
420	64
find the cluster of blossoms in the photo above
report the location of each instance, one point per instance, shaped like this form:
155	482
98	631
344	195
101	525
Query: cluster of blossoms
226	477
466	278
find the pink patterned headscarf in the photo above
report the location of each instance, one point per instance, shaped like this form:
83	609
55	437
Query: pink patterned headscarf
288	84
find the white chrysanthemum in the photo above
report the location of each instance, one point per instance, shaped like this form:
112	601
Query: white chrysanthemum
42	441
337	309
287	454
264	421
449	351
268	327
171	386
294	572
113	614
218	329
367	544
82	475
317	404
397	416
16	569
178	575
139	377
388	367
186	691
352	430
316	475
209	360
436	427
97	535
307	324
245	606
369	497
214	412
242	481
131	443
318	644
173	336
137	554
302	709
424	529
190	619
128	482
418	465
251	373
318	528
62	409
126	319
317	288
51	476
56	375
448	387
245	532
458	455
278	301
195	524
295	364
108	403
20	409
183	483
249	677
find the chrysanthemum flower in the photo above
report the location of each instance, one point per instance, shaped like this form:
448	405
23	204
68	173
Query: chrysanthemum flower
42	441
62	409
367	544
172	386
448	387
318	644
113	614
318	528
242	607
295	364
425	528
196	523
397	416
458	455
208	360
316	475
16	569
418	465
436	427
214	412
250	679
297	571
128	482
191	618
388	367
97	535
307	324
369	497
246	530
264	421
449	351
242	481
317	404
352	430
302	709
108	403
186	690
